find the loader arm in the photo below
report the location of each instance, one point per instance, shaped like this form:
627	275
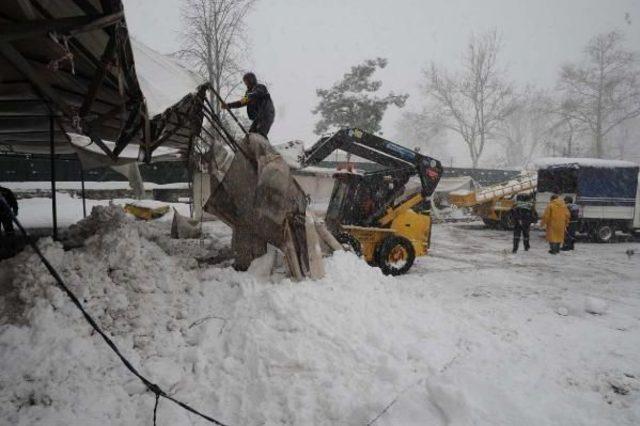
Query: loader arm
396	159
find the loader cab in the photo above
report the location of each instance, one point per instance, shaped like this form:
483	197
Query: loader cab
358	199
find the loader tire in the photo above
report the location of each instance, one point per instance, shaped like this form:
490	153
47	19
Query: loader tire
396	255
350	243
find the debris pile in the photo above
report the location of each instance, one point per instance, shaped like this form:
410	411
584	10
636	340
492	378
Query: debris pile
259	198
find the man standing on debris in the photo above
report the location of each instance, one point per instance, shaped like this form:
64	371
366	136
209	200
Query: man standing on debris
574	216
523	216
556	219
259	105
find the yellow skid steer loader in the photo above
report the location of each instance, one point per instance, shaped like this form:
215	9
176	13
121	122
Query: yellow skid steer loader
369	211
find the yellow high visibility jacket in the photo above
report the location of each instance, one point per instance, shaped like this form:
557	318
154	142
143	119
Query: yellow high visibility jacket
556	219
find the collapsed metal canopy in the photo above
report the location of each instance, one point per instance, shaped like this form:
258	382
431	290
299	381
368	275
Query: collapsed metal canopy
73	59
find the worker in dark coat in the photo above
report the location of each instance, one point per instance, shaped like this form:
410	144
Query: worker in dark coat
8	208
524	215
259	105
572	228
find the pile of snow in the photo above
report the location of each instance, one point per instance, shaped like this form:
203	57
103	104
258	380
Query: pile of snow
225	341
478	339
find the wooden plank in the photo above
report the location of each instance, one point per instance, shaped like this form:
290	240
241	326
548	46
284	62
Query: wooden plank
74	42
45	90
102	118
86	7
98	141
109	50
70	25
22	65
126	137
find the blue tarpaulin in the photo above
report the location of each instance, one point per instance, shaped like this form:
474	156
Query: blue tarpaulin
609	185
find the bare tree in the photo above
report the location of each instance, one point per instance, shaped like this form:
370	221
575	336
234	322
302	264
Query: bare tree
474	102
527	129
419	131
565	135
213	40
625	140
604	91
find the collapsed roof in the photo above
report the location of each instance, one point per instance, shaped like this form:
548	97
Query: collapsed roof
73	60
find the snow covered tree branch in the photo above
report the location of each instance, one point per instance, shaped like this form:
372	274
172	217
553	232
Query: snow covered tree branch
351	102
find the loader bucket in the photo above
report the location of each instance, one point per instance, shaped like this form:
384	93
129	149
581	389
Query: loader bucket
260	200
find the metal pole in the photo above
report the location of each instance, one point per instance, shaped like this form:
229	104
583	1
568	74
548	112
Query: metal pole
54	205
84	198
229	111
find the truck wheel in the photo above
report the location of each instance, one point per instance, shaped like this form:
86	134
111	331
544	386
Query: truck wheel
489	223
396	255
603	233
350	243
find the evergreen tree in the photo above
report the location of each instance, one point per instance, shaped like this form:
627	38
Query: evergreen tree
351	102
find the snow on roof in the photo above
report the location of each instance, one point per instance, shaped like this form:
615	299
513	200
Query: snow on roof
543	163
162	79
129	153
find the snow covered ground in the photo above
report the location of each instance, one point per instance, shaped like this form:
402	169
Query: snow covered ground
472	335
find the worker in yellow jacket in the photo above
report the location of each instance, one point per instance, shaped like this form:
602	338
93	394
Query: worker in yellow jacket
556	219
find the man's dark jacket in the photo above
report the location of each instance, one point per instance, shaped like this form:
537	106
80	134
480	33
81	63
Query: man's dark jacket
260	108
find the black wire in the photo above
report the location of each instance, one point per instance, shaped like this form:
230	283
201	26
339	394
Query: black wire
151	386
155	409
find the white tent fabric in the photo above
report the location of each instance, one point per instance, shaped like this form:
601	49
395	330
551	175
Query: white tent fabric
162	79
163	82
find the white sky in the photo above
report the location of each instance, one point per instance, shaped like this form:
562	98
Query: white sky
301	45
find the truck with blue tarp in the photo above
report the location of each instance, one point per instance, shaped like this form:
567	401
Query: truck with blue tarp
606	191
